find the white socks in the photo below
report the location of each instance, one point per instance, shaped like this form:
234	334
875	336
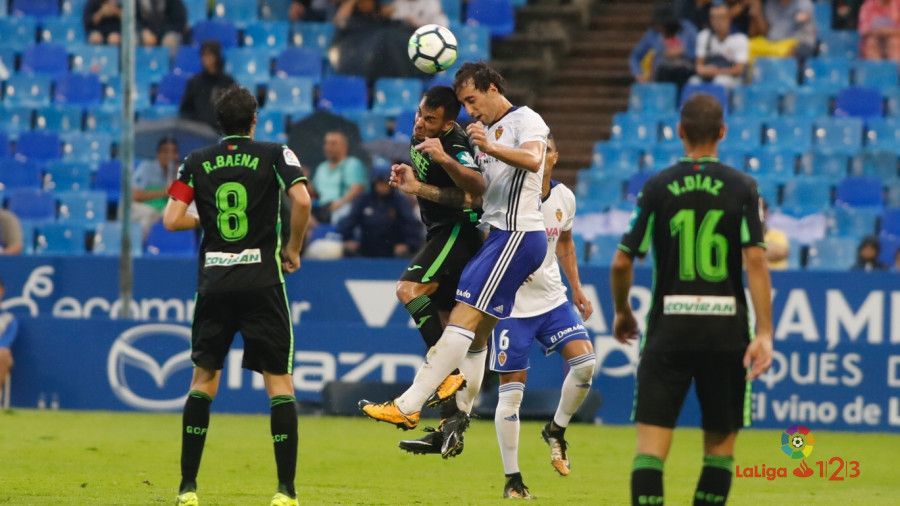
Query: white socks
442	358
575	388
506	421
472	369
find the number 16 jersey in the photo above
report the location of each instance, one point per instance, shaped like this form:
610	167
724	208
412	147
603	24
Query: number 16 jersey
237	186
698	215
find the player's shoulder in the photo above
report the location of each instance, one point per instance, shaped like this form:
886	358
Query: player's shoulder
456	136
735	176
561	191
525	114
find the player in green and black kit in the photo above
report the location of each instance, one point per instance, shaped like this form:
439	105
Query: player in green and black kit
702	219
446	179
237	186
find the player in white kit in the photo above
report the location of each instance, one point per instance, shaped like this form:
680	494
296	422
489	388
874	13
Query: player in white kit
542	313
510	151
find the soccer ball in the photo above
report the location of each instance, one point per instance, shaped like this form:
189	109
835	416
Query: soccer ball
432	48
797	441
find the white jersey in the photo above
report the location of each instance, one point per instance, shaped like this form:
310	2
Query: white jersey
545	289
512	200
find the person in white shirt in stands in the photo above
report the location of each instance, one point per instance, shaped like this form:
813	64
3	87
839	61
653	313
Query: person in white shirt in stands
721	55
416	13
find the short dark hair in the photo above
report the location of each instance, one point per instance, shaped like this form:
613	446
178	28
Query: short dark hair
235	110
167	139
551	140
442	96
701	119
482	76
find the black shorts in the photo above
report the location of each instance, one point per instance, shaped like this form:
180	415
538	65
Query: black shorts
663	380
259	314
442	260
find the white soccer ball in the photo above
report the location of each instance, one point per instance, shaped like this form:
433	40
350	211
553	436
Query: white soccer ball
432	48
797	442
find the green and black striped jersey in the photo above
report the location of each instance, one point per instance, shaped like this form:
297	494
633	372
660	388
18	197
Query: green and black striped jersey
697	215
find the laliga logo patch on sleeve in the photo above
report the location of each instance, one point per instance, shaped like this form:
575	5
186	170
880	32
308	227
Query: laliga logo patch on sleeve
290	158
465	159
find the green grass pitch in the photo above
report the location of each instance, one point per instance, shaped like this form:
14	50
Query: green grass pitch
61	457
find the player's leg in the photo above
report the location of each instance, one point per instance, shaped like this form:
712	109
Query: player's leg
283	425
416	298
6	363
653	443
724	398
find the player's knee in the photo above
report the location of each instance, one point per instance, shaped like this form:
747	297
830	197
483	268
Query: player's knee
6	358
407	291
509	399
582	367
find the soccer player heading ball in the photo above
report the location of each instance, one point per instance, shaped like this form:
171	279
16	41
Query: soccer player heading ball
703	221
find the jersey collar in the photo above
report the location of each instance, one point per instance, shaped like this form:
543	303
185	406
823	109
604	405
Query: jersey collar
511	109
234	138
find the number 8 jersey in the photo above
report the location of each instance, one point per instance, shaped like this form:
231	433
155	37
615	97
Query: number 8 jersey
698	215
237	187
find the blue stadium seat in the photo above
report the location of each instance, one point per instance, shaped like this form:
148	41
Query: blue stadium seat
805	195
875	74
496	15
8	57
108	179
832	253
87	146
38	146
394	95
197	10
83	207
635	184
37	8
757	100
62	30
270	34
342	94
822	16
79	89
299	62
773	163
736	157
161	242
100	60
222	31
829	165
249	66
892	102
718	92
158	112
290	95
472	36
839	134
48	59
170	89
453	9
635	130
404	124
18	32
4	153
855	222
151	63
745	133
829	73
28	91
652	97
661	156
859	102
668	129
313	35
602	250
889	246
270	125
16	119
883	133
72	8
112	94
843	43
601	192
793	133
893	195
15	174
372	124
187	60
775	71
807	102
31	204
860	191
67	176
105	119
611	158
60	239
57	118
108	239
890	221
879	164
239	12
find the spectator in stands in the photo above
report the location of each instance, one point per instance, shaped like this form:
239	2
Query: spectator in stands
361	23
204	88
416	13
9	327
778	247
311	10
357	14
10	233
897	260
845	14
721	55
867	255
782	28
739	11
672	42
161	22
150	184
103	21
879	28
381	222
337	180
697	12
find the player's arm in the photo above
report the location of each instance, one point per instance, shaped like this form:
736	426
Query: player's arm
403	179
568	258
528	156
468	179
301	204
181	193
635	242
758	356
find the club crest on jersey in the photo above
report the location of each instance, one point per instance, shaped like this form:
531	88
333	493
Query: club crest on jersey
559	214
501	358
498	132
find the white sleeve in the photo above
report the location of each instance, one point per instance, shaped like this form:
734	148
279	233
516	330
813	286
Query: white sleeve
532	128
569	204
701	44
741	48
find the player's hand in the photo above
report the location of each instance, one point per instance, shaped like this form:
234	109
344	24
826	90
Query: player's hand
478	136
290	260
403	178
625	327
758	357
433	148
583	304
